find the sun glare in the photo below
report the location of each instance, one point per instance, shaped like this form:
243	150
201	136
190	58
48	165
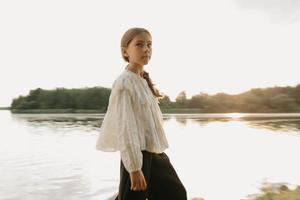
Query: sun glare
235	115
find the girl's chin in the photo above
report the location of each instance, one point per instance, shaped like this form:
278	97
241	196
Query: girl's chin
145	61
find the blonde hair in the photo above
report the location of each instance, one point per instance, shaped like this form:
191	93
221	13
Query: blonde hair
125	41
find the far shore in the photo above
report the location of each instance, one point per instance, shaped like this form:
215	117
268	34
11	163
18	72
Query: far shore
103	111
41	111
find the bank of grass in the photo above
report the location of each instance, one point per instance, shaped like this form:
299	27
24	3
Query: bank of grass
40	111
281	192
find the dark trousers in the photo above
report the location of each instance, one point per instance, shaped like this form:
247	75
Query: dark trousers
162	180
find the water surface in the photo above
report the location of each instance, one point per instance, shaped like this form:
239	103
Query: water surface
217	156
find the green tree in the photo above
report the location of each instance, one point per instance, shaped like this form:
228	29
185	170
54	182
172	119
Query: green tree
181	99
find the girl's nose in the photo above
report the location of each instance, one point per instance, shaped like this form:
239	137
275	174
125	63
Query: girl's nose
147	48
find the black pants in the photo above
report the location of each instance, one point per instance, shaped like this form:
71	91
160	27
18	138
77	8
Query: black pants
162	180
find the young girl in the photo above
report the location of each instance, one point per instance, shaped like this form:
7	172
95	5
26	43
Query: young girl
133	125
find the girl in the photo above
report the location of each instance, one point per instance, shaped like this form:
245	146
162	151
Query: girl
133	125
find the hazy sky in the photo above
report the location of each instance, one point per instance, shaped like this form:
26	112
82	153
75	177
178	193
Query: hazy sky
198	46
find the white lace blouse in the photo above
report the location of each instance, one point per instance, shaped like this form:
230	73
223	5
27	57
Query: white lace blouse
133	121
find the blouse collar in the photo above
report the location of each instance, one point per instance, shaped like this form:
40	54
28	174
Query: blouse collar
131	72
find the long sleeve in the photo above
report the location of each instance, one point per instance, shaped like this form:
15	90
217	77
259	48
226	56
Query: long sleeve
128	137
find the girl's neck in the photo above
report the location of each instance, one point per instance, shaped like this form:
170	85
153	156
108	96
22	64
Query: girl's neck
136	69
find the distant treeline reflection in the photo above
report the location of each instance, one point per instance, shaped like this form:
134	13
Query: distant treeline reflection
272	99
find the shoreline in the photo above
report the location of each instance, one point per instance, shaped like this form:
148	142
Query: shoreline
97	111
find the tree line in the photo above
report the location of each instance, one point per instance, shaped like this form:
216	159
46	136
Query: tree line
62	98
271	99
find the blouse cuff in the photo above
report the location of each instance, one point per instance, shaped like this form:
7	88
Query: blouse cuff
132	159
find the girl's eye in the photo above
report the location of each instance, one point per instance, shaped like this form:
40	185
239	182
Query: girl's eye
142	45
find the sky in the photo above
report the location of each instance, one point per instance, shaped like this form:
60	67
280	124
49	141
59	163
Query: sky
206	46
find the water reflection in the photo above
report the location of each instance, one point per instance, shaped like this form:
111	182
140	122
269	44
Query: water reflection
92	122
89	122
273	122
290	125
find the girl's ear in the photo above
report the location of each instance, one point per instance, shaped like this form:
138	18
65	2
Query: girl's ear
124	51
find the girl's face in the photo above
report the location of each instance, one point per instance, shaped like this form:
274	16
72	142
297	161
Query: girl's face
139	50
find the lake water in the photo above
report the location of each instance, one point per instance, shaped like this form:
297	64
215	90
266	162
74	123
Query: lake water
217	156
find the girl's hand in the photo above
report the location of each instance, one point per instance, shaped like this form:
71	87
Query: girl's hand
138	182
